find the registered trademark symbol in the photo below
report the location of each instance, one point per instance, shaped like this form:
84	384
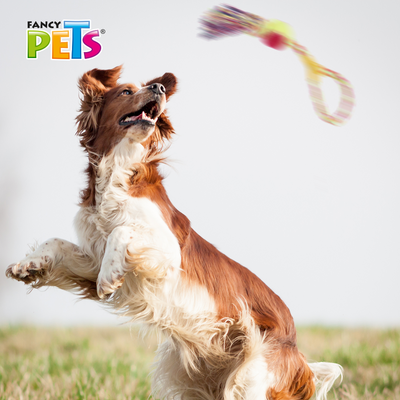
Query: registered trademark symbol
102	31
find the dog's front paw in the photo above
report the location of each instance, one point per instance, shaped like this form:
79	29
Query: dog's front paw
30	269
109	283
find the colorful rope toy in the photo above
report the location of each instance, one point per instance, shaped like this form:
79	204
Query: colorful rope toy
227	21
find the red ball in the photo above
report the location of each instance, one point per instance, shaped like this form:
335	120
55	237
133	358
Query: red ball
274	40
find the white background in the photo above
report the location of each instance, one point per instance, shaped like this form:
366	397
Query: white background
310	208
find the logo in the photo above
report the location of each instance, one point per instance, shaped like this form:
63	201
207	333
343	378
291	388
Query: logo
71	42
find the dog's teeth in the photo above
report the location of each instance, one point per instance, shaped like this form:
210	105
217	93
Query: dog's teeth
146	117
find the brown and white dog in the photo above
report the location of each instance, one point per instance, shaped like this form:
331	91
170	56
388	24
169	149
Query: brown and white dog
227	335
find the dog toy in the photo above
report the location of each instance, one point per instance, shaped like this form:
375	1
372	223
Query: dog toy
227	21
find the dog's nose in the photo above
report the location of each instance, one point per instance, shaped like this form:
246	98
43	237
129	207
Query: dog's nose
157	88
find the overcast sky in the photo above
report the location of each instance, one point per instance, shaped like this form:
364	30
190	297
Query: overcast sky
312	209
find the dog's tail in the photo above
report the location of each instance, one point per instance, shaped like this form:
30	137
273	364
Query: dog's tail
299	380
325	375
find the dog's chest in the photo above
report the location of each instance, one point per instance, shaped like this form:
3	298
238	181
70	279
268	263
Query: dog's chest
114	208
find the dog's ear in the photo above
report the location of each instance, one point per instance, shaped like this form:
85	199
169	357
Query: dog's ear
169	81
93	85
107	77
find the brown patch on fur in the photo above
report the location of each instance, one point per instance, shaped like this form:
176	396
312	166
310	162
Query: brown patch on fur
229	283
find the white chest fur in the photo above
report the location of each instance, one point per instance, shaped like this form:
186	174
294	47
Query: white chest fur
115	208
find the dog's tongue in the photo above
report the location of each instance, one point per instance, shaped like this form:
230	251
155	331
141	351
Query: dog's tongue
140	116
135	118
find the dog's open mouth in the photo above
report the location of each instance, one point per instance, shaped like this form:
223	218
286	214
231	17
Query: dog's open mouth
148	113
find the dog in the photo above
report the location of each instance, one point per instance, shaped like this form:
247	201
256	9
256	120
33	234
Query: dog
227	335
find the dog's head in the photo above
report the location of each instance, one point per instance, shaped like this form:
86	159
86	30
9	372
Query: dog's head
111	112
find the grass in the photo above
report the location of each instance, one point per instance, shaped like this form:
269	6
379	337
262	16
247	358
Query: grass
370	358
75	363
114	363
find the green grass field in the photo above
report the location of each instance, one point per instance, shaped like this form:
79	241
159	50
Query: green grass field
114	363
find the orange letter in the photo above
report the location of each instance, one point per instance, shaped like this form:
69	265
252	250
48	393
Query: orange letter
58	44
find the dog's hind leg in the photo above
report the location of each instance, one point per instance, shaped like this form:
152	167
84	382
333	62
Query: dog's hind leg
59	263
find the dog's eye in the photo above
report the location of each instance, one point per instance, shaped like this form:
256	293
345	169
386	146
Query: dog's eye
126	92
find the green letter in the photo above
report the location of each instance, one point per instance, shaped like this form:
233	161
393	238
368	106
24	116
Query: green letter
33	47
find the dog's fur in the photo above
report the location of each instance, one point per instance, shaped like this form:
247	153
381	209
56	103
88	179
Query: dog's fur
227	335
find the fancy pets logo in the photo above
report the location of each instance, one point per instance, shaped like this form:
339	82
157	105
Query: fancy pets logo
71	42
